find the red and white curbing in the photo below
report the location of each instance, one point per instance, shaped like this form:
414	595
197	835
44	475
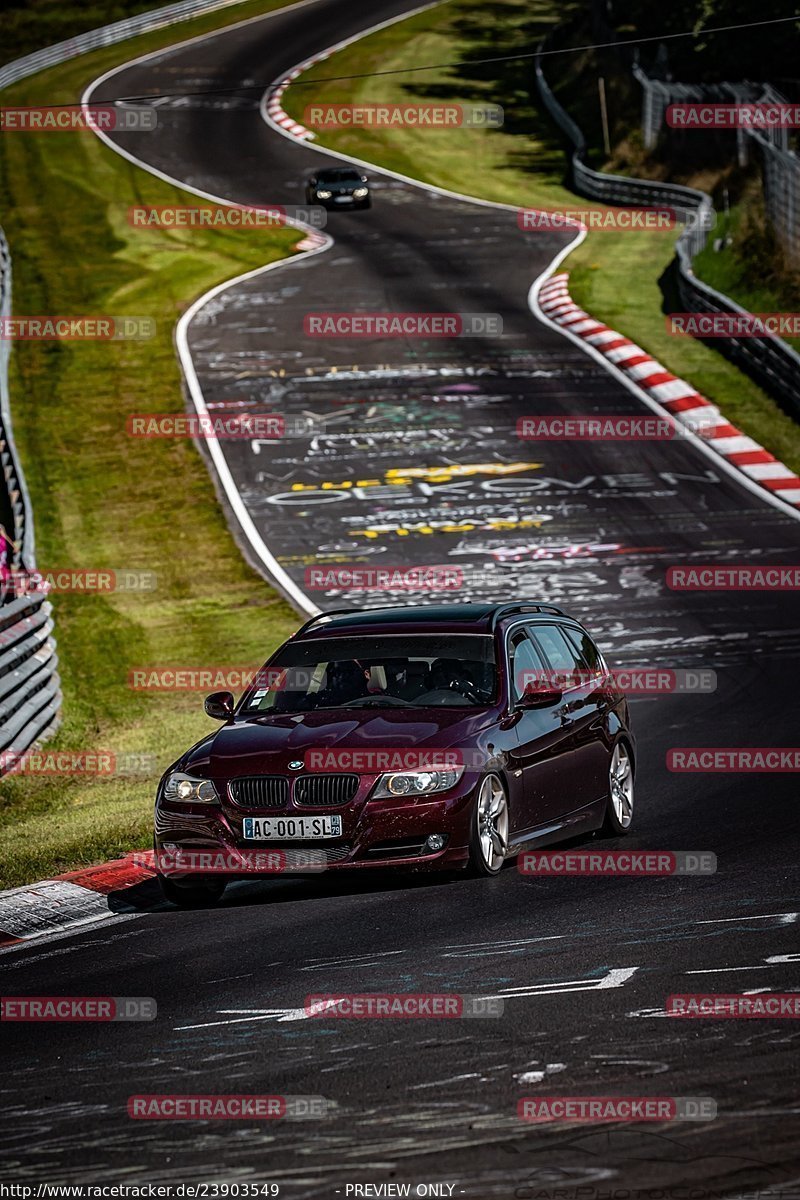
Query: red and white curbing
275	109
73	901
312	241
674	395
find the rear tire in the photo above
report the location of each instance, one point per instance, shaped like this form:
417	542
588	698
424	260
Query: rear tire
488	844
192	894
619	809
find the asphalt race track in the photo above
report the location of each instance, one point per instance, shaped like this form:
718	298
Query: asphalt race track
584	965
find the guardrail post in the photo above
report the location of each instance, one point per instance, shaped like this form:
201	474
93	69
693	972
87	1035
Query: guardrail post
30	694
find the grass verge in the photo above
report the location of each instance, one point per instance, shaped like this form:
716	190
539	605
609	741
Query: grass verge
748	262
102	499
614	274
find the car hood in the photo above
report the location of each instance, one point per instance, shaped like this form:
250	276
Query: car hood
265	745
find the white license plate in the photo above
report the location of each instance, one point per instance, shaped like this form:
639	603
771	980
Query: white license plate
291	829
344	200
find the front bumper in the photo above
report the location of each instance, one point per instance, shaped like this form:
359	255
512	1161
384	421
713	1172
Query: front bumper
376	834
343	202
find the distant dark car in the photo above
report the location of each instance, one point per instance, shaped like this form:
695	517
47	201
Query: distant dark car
426	737
339	187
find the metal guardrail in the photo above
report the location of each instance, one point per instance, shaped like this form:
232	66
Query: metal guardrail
107	35
30	695
769	361
30	692
14	502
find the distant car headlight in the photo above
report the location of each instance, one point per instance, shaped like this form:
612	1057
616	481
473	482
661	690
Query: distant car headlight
185	789
361	192
323	194
417	783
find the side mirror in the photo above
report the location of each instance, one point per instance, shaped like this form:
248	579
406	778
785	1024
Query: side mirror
219	705
540	698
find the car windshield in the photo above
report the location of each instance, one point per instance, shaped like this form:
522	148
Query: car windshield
337	173
387	671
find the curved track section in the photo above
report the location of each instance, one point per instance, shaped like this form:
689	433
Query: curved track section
416	461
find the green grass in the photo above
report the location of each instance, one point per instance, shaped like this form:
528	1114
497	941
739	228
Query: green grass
102	499
613	274
751	265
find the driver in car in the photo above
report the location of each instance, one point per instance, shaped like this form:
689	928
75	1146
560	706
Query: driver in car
344	682
447	674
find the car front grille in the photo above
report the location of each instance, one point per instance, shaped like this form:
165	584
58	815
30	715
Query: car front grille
324	790
302	851
309	791
260	791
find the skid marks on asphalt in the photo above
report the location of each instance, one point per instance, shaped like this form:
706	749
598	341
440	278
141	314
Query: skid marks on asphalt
534	1072
387	971
611	978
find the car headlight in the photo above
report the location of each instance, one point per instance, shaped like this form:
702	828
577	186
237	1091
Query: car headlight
323	194
185	789
360	193
417	783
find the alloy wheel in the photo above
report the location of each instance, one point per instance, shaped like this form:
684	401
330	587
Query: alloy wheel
492	823
620	783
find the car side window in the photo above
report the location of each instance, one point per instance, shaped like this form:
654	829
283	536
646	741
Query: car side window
562	657
580	639
525	665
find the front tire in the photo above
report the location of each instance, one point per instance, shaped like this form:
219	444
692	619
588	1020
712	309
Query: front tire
489	833
619	810
192	894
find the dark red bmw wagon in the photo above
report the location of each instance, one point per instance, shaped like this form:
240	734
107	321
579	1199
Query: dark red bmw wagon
426	737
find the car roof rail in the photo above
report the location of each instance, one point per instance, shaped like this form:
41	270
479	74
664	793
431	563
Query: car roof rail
497	614
524	606
348	612
331	612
